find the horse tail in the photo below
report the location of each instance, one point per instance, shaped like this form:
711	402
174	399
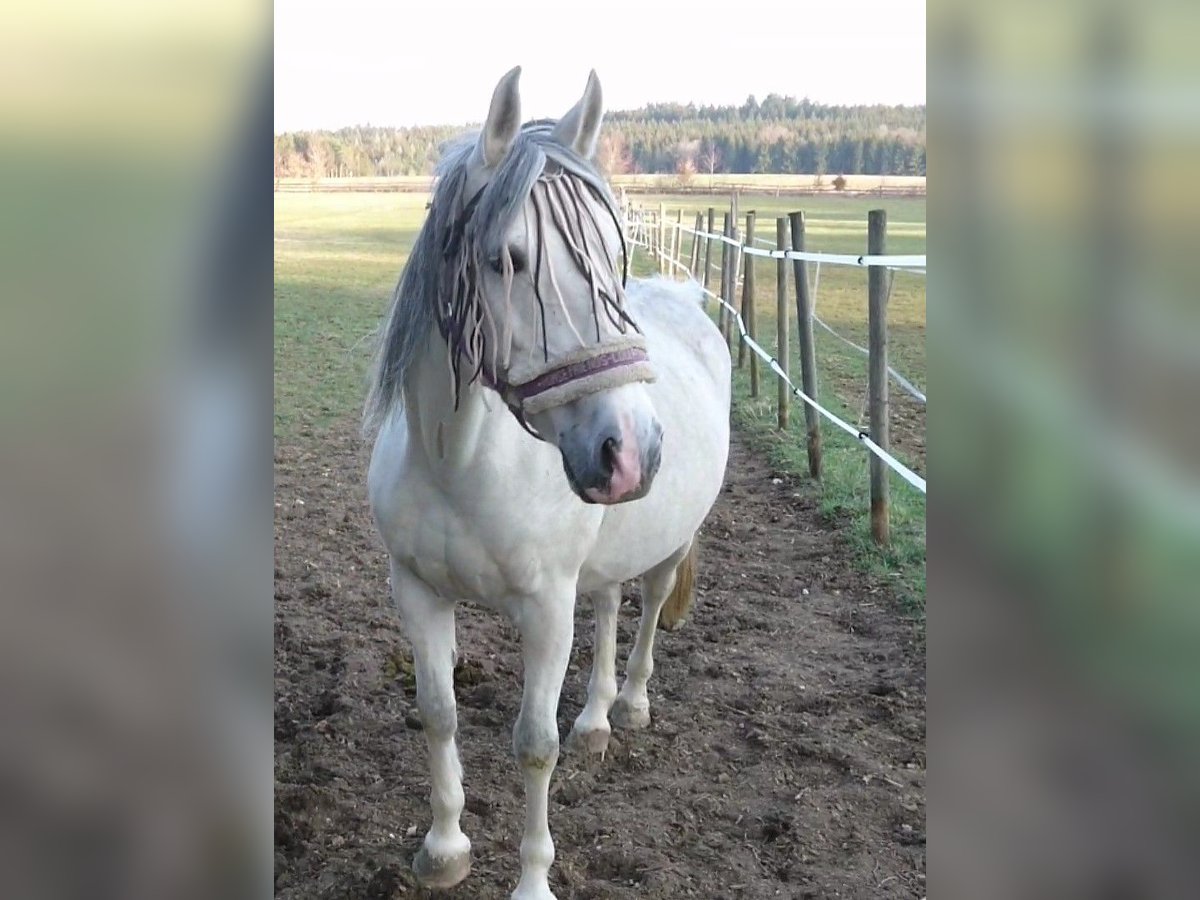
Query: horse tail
683	595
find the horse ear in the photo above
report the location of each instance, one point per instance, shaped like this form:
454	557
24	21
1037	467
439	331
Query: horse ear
580	127
503	121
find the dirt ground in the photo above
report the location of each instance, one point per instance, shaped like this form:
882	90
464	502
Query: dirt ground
786	757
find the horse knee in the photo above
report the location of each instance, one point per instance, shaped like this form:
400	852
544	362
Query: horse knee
535	744
439	715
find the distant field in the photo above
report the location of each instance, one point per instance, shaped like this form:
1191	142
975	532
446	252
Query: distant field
366	183
723	182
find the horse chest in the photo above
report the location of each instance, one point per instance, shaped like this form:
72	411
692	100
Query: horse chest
483	551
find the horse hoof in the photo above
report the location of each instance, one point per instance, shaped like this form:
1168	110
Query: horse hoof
625	715
440	873
593	742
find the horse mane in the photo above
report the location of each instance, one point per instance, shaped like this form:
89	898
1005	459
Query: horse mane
441	284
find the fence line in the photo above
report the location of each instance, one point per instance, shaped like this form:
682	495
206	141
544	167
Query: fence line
737	247
911	262
915	263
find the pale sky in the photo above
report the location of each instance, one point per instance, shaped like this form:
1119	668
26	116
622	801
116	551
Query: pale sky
353	62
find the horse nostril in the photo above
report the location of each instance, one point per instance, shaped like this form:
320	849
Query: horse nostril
608	456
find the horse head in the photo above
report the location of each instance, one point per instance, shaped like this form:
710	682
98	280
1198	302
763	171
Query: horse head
534	265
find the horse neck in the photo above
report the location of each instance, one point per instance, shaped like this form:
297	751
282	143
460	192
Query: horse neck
451	437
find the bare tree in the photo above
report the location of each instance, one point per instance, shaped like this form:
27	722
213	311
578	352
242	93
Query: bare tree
318	160
710	158
685	169
612	154
685	161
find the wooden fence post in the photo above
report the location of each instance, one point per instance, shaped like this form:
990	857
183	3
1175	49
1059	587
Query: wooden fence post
656	240
696	248
782	356
648	229
677	243
723	293
808	358
751	313
664	268
735	263
877	373
748	306
707	254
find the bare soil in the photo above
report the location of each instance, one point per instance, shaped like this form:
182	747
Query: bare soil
786	757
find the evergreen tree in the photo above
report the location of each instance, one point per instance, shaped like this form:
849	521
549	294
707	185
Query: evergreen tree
779	135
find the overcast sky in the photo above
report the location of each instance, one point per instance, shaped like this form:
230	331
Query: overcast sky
353	62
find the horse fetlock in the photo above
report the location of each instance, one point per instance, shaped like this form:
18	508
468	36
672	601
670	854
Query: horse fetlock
537	855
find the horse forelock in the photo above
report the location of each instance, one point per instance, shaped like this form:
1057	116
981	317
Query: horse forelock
441	285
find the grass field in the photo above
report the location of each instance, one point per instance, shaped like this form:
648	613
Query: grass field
337	258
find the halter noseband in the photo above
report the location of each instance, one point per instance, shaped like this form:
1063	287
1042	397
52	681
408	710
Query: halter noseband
586	371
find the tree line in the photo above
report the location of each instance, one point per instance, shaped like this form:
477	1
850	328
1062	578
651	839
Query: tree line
780	135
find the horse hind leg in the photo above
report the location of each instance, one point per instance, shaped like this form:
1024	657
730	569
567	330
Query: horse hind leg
632	706
445	856
592	730
683	594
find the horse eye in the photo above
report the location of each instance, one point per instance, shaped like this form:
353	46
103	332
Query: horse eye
518	262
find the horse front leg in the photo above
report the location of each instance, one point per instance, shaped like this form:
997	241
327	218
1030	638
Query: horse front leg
546	624
591	730
445	858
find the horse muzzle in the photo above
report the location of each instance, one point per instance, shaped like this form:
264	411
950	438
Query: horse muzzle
614	463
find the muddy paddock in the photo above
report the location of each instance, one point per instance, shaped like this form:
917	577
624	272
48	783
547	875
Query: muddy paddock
786	757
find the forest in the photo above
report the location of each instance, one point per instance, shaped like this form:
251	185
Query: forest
779	135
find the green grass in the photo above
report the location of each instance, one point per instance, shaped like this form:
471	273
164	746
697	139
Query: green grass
337	258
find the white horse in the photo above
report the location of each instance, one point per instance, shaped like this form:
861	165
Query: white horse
512	355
